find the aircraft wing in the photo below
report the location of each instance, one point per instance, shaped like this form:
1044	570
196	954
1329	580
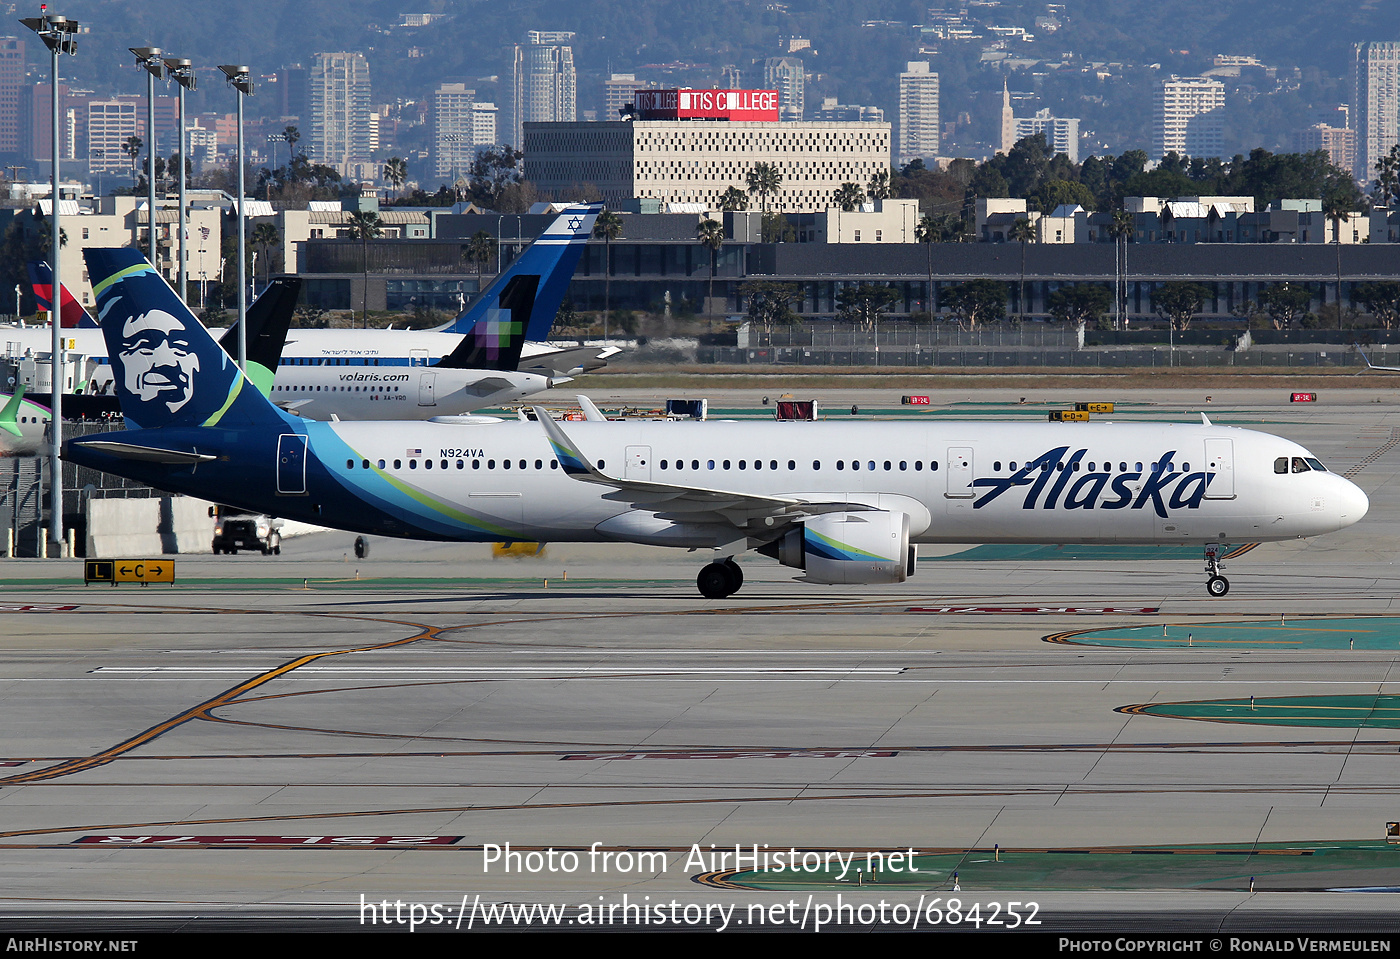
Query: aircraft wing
1378	369
569	362
673	501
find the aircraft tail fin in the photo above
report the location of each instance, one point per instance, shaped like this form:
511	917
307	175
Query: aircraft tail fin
498	338
553	258
71	315
269	319
10	412
166	368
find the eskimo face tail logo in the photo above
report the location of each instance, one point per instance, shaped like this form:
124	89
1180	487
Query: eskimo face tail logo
158	359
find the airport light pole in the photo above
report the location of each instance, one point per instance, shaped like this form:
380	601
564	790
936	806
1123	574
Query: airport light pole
242	81
149	59
60	35
182	71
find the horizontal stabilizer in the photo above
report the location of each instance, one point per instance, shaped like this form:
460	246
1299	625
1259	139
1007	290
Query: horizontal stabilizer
145	454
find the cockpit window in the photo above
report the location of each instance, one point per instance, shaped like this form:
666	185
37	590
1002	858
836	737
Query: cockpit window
1300	465
1281	464
1316	464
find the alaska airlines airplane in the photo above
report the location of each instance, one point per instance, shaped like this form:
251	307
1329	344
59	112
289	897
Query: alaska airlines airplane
844	502
24	425
491	354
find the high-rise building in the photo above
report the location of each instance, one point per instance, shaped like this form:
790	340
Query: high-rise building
110	123
338	96
1061	133
11	85
452	129
1376	79
1008	120
1338	143
1188	117
546	83
619	91
918	113
788	77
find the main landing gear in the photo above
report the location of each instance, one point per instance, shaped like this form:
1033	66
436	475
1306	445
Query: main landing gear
1216	584
720	579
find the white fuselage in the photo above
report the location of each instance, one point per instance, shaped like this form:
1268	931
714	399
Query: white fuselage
349	374
958	482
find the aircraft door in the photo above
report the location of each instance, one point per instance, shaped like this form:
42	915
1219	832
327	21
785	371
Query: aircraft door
1220	469
291	464
427	386
959	472
639	463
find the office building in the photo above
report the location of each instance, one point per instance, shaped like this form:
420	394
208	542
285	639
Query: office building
545	87
1188	117
110	123
619	90
338	94
1061	133
1376	83
788	77
696	161
12	85
918	113
1338	143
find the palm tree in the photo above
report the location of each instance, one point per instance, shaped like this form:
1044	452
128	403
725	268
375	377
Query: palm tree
293	135
131	146
764	179
848	196
395	172
607	227
927	232
1336	208
1121	230
733	200
479	250
879	188
710	233
364	226
265	235
1022	232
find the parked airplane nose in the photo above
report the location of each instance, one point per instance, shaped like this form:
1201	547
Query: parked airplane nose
1351	503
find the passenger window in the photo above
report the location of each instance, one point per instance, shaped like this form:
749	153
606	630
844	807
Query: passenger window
742	464
887	466
816	464
792	464
505	464
427	464
840	464
476	464
903	465
349	464
381	464
539	464
870	466
365	464
772	464
918	466
711	464
413	464
490	464
398	464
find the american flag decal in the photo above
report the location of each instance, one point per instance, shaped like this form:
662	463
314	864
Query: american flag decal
413	452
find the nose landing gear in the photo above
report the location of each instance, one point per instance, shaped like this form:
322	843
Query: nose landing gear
1216	584
720	579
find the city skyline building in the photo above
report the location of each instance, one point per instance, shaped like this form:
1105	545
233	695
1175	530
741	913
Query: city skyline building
338	94
545	87
1188	117
694	162
1376	102
1061	133
788	76
919	132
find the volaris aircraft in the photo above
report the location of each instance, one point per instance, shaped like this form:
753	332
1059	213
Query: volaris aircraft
844	502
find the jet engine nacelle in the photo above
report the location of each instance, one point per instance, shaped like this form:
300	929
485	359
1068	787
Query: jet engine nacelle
867	546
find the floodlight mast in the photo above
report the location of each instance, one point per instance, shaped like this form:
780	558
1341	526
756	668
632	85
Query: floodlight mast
241	80
149	58
182	72
60	36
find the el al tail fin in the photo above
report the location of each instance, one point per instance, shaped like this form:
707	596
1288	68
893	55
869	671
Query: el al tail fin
167	370
496	341
269	319
71	314
552	258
